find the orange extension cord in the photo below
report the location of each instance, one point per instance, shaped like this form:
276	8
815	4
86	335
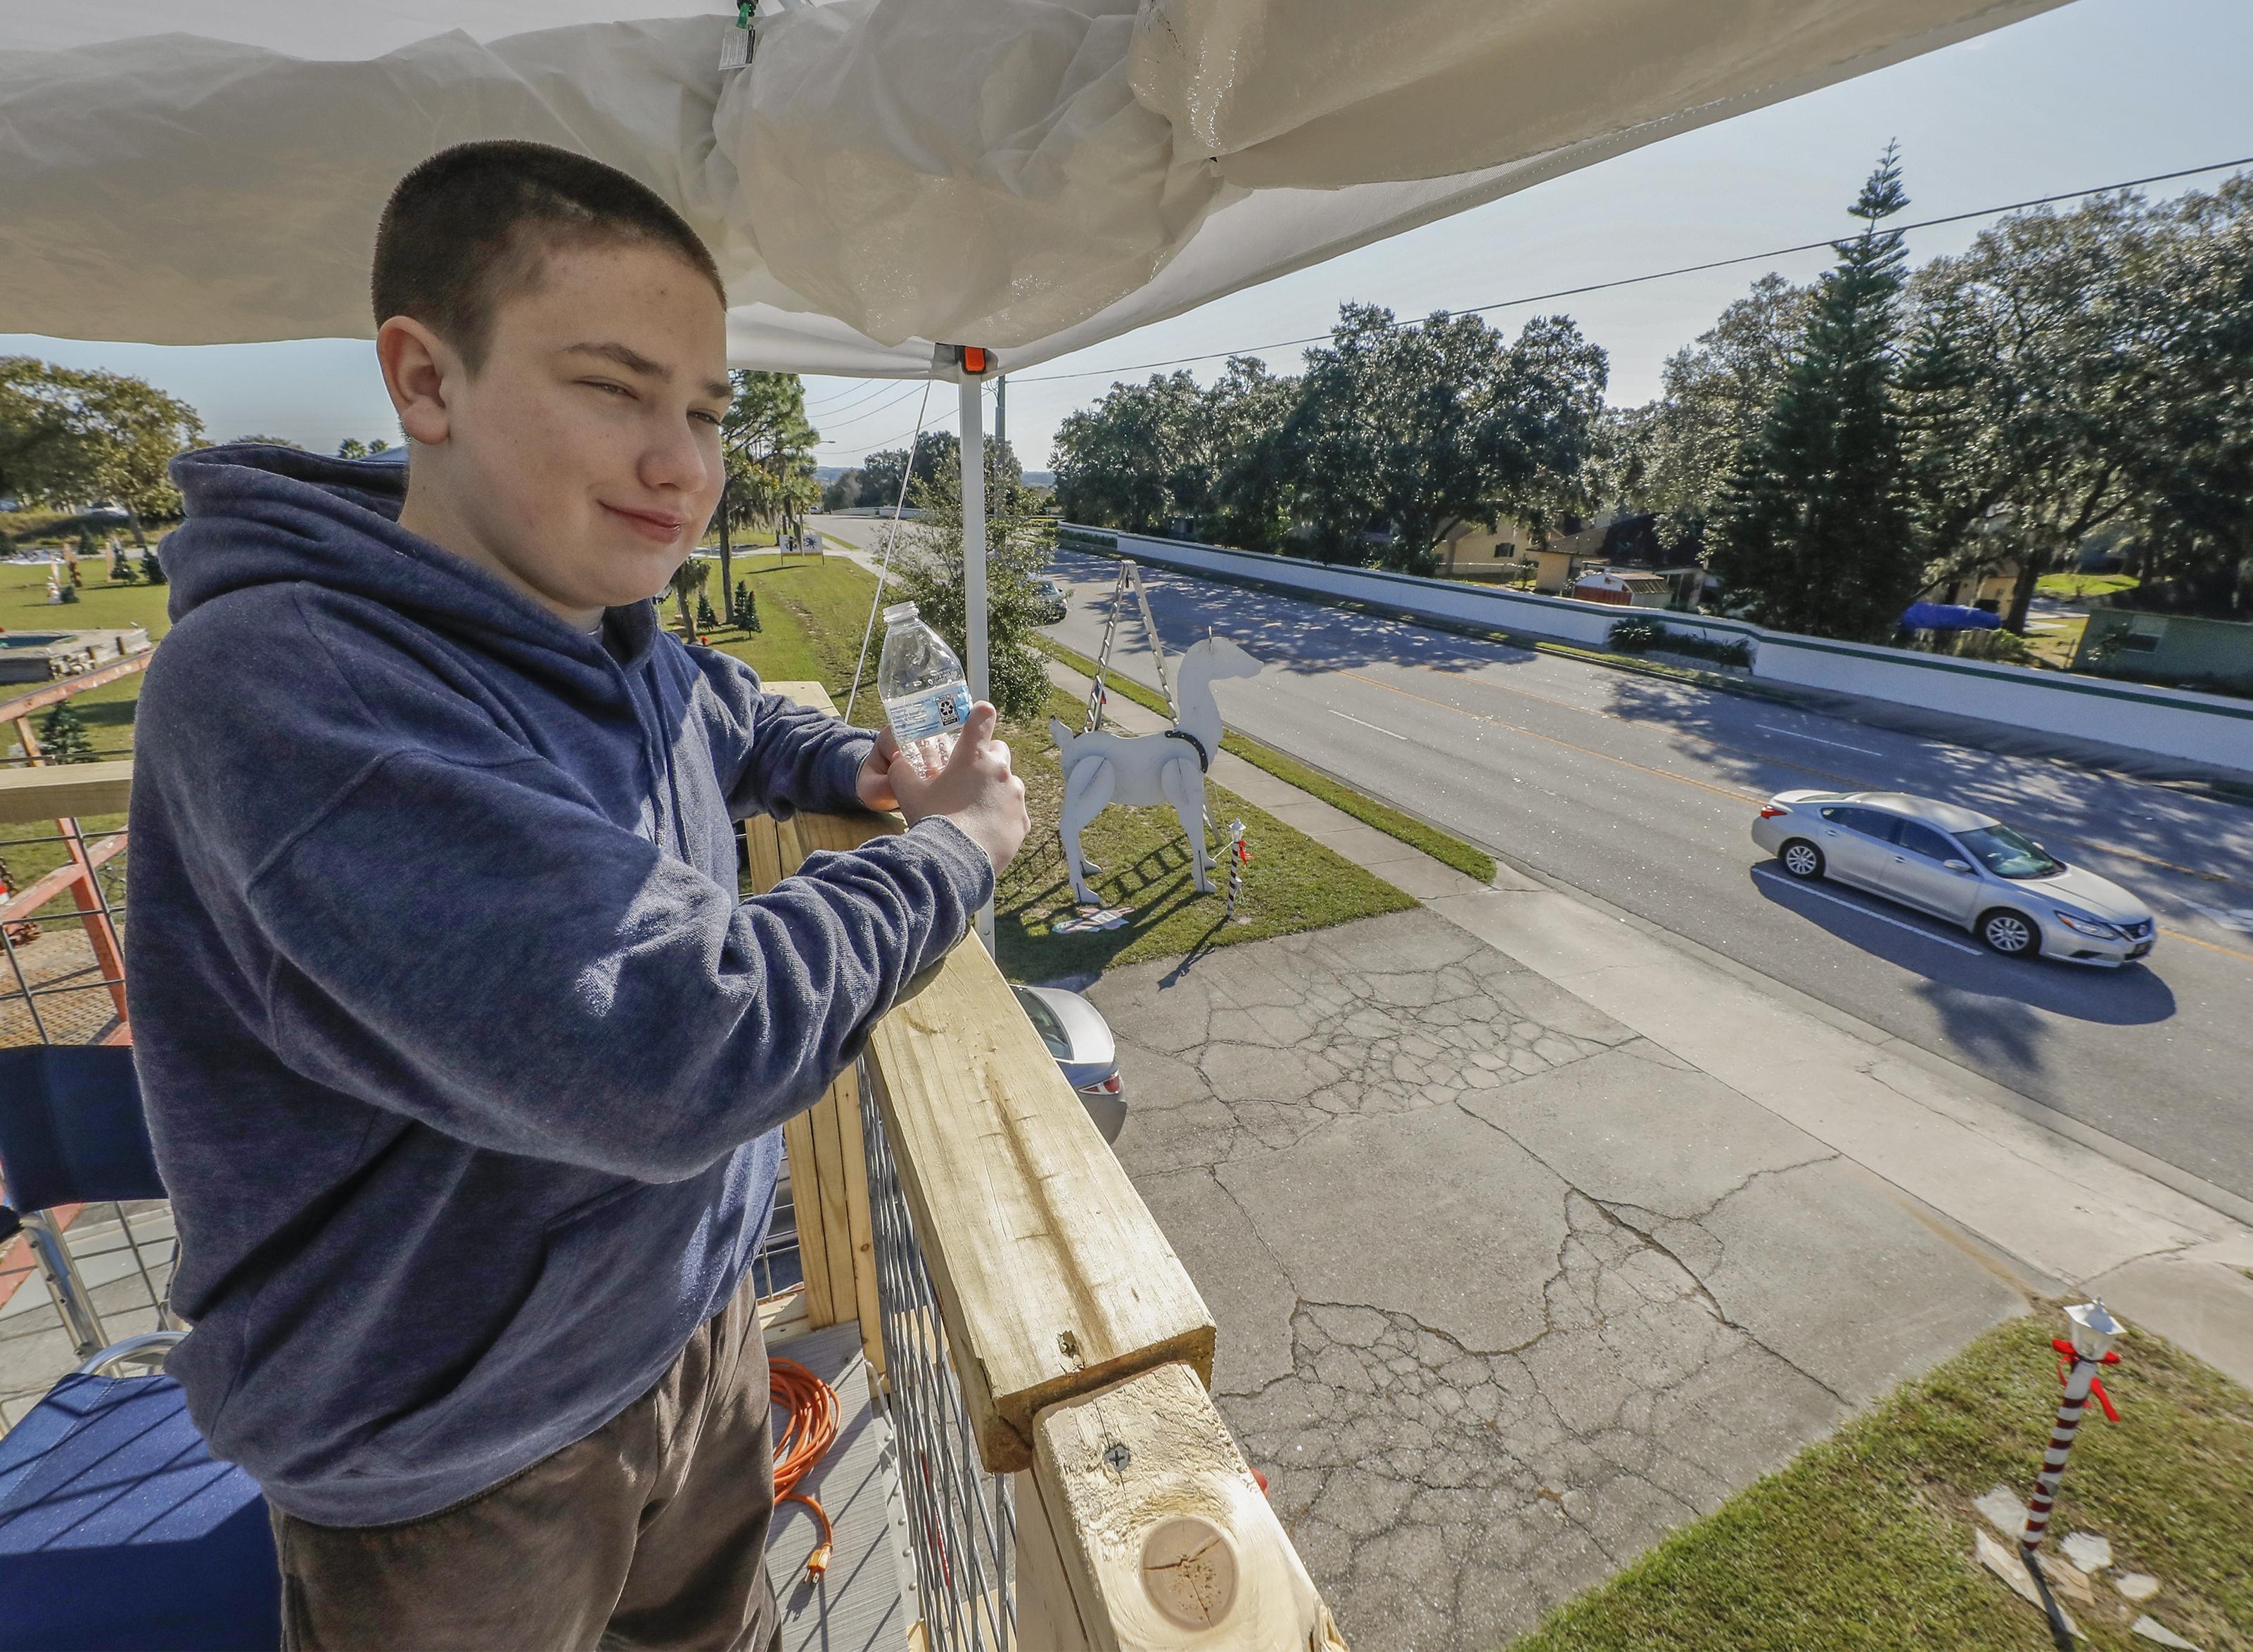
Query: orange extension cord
810	1432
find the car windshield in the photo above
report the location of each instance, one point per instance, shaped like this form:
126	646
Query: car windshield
2008	853
1045	1023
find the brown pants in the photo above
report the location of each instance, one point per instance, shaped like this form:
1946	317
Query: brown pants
650	1533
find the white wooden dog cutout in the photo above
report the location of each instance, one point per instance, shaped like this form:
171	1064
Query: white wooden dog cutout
1103	768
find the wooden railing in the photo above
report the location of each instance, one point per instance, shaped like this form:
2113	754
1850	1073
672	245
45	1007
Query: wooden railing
1082	1349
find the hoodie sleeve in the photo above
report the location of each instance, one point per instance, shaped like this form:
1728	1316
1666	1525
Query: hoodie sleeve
475	947
776	756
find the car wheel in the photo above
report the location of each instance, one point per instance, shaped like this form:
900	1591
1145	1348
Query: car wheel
1801	858
2012	934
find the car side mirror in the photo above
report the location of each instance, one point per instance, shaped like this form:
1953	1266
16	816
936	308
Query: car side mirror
1957	866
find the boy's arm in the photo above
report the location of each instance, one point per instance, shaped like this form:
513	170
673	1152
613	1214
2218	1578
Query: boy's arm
775	756
477	947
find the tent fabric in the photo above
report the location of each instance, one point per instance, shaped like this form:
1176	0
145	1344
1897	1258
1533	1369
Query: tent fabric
1033	175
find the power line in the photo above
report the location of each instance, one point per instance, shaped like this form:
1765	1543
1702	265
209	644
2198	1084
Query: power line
1658	275
891	444
875	387
870	413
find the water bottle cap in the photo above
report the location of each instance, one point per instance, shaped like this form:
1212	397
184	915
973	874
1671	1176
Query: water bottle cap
899	613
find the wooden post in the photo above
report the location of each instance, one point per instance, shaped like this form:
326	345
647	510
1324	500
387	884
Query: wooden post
1140	1529
94	915
829	1167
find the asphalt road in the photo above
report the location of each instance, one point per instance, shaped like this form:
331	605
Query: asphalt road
1640	790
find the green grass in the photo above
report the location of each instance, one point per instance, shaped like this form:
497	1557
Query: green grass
1293	883
2079	587
1864	1541
813	613
1452	851
101	606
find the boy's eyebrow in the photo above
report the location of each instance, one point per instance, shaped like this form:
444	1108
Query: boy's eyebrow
634	361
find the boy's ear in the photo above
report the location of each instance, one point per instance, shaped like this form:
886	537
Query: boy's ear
418	369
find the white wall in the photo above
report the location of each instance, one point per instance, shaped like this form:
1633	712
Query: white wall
2209	729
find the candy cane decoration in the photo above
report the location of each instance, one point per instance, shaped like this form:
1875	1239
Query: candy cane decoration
2094	1330
1239	856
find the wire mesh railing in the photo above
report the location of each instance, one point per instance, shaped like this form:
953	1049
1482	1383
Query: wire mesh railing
961	1519
62	977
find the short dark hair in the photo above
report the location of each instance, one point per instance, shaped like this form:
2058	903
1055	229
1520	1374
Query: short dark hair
469	227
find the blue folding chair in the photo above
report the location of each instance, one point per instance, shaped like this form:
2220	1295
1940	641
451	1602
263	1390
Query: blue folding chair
117	1527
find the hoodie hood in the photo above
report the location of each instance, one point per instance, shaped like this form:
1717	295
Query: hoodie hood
260	515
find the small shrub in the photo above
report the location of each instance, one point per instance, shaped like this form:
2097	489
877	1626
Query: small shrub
1641	636
1737	652
2005	647
69	592
63	736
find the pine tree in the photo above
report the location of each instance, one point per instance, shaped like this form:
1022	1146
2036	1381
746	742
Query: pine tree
120	570
706	619
747	607
63	738
1814	531
151	569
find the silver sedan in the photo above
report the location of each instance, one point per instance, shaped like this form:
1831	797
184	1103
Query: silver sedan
1960	864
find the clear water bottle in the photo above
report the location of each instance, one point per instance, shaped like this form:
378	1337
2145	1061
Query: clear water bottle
920	680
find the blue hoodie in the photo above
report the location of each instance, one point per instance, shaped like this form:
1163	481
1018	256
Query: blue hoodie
464	1061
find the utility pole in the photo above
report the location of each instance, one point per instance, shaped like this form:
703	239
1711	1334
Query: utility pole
1001	411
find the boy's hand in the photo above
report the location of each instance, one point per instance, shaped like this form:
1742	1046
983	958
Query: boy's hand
976	790
873	784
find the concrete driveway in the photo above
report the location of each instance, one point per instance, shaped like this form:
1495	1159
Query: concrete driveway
1504	1290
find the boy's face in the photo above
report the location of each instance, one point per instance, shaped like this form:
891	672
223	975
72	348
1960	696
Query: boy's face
582	460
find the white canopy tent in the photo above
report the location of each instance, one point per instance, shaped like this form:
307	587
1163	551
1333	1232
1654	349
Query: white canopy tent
1027	176
1033	176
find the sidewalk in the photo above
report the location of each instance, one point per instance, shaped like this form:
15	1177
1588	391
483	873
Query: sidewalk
1533	1231
2059	1206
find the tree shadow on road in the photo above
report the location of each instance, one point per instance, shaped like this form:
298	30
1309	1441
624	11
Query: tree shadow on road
1990	1006
2128	830
1291	633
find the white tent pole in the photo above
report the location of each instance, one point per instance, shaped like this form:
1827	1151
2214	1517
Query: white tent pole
973	535
974	568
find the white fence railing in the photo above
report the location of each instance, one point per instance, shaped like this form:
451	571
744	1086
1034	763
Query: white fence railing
2175	723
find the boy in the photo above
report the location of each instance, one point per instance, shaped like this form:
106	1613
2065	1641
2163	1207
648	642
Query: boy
464	1063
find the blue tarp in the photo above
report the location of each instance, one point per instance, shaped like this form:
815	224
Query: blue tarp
1949	616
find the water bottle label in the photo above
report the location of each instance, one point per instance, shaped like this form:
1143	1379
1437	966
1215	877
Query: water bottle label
936	711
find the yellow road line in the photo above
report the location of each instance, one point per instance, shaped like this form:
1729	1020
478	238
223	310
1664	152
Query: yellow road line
1680	780
2211	946
1590	751
2097	844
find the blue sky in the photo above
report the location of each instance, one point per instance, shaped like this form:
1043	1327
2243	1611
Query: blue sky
2096	91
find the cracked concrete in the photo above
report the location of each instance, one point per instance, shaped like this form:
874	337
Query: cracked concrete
1505	1291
